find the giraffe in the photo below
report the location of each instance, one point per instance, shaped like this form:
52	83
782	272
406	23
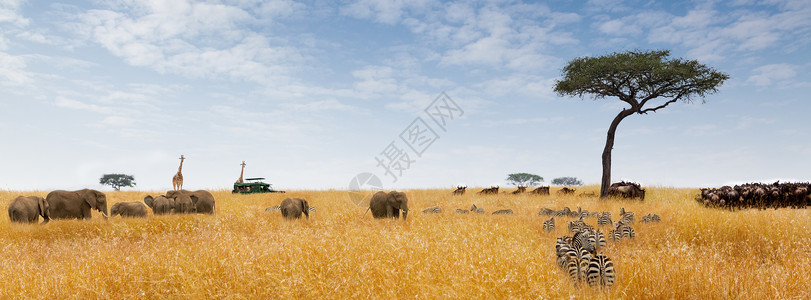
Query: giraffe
177	180
241	172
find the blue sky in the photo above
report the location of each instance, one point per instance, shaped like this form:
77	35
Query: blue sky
310	93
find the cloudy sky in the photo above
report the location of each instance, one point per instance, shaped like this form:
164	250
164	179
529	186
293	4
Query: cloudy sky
311	93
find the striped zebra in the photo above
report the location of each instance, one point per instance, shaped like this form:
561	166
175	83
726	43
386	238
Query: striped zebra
627	215
651	218
604	220
582	240
546	212
600	272
274	208
563	213
577	264
503	212
433	210
462	211
579	226
475	209
549	225
622	231
597	239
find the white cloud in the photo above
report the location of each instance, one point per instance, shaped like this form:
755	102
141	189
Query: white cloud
774	74
385	11
13	70
78	105
192	39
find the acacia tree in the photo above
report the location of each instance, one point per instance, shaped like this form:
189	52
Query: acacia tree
637	78
117	181
569	181
524	179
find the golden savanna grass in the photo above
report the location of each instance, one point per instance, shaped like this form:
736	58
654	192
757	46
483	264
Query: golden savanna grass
244	252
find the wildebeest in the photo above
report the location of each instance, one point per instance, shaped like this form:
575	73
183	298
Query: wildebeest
460	190
626	190
489	191
541	190
757	195
566	191
520	189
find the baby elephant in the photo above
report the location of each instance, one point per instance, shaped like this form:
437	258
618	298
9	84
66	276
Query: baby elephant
129	209
27	209
292	208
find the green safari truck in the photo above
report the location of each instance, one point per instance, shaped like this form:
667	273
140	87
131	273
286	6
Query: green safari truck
253	185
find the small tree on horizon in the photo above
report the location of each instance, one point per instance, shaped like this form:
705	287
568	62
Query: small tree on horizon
524	179
567	181
636	77
117	181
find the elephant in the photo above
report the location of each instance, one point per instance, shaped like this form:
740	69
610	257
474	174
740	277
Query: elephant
27	209
388	205
160	205
203	200
76	204
292	208
128	209
183	204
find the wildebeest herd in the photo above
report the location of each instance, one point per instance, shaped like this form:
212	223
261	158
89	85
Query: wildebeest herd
757	195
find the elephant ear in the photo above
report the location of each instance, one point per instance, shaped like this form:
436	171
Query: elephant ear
149	201
90	197
194	199
305	207
43	208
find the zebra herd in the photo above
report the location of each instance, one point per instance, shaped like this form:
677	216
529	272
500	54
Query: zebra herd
580	254
473	209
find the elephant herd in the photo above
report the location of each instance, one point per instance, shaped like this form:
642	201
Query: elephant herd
78	205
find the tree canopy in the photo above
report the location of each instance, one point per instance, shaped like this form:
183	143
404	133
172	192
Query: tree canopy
524	179
568	181
117	181
637	78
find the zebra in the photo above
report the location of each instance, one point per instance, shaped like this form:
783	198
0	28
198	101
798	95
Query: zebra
579	226
546	212
274	208
549	225
597	239
651	218
604	220
622	231
475	209
462	211
433	210
503	212
627	215
563	213
577	264
600	271
311	208
581	240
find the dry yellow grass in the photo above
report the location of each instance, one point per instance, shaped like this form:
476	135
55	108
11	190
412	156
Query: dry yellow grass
244	252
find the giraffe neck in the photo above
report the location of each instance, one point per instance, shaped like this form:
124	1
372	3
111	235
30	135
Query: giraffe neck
181	166
241	172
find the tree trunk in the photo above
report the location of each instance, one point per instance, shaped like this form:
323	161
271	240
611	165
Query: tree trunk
609	145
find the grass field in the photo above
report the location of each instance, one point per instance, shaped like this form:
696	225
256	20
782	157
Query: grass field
244	252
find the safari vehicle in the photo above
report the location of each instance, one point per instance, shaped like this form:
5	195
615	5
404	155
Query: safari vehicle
253	185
